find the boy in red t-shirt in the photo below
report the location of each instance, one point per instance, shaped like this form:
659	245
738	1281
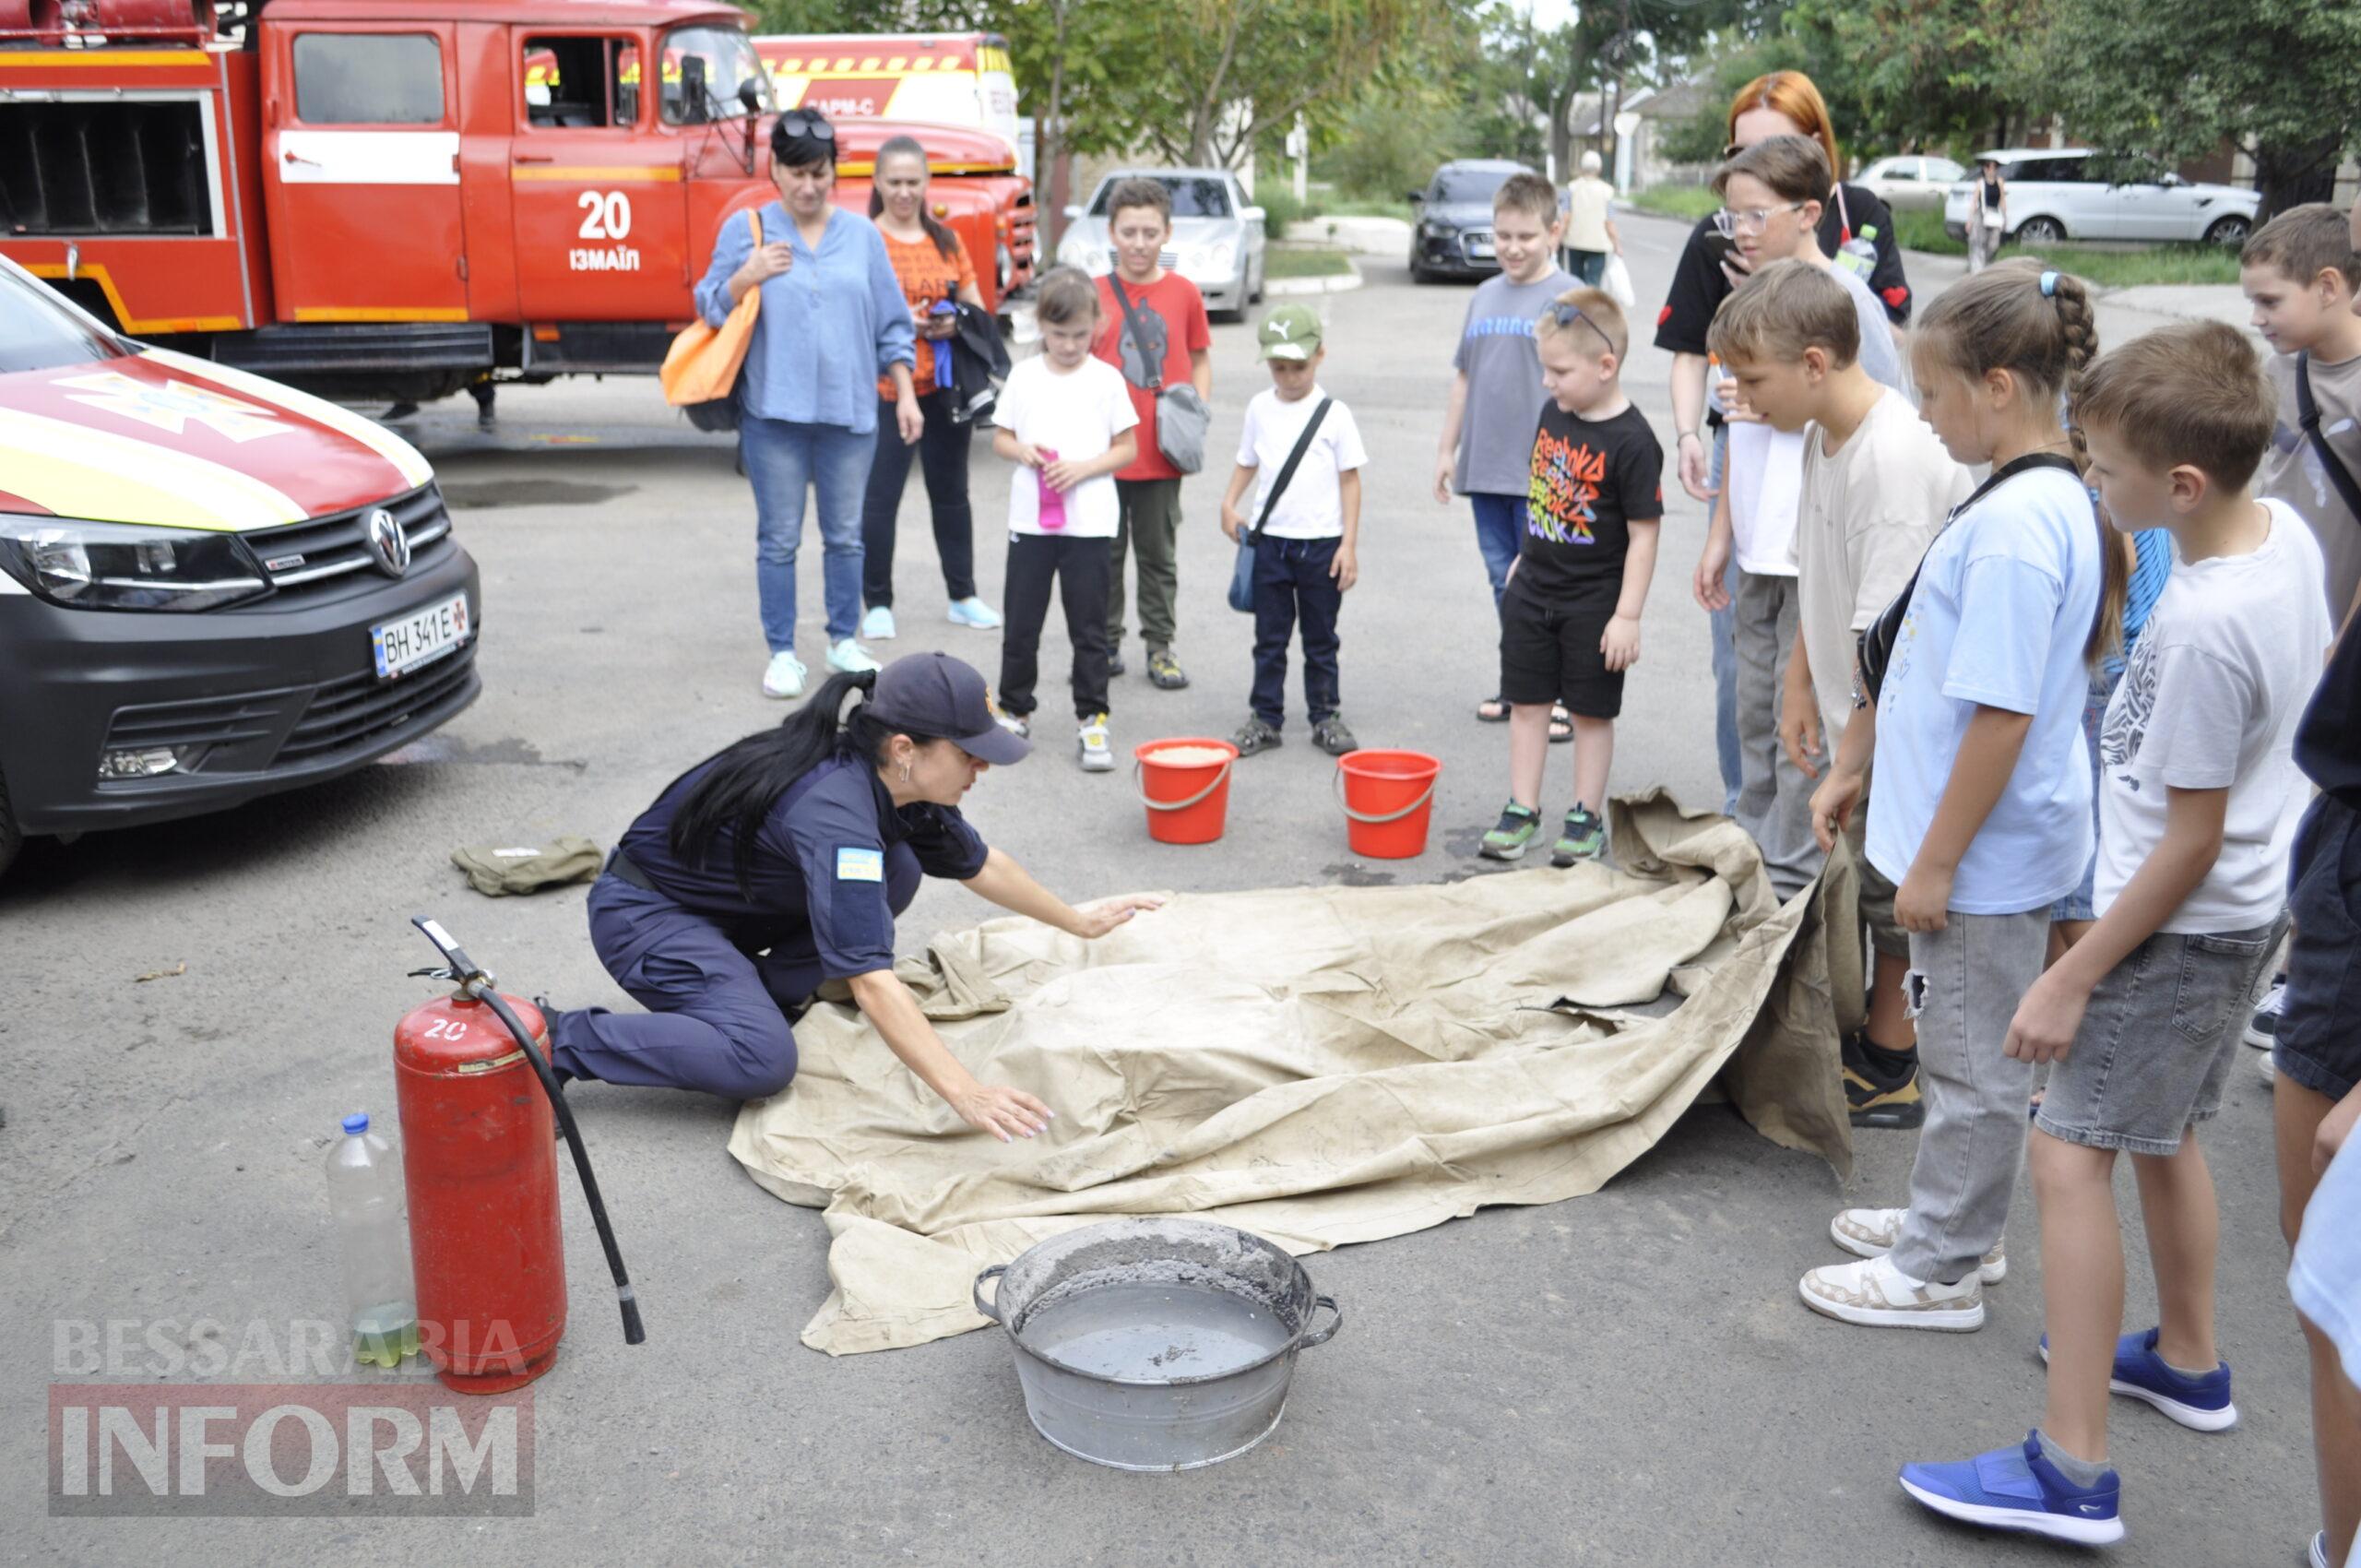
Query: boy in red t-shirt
1166	309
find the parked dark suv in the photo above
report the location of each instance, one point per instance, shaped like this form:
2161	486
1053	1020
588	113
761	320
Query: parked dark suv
1451	231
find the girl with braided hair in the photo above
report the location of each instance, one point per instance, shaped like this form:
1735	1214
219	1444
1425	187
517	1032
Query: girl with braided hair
1982	811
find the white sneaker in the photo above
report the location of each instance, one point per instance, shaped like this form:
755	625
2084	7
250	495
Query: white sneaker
849	657
2269	1069
1872	1233
1097	756
1876	1294
1014	723
2262	1028
973	612
785	676
878	624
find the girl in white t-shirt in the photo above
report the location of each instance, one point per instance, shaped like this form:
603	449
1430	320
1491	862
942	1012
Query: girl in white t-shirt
1066	421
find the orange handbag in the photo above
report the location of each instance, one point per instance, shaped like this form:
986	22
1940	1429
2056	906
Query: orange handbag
700	371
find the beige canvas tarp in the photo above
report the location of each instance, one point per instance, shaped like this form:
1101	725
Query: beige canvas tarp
1318	1066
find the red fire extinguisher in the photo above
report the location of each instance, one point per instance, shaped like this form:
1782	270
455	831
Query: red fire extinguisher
477	1106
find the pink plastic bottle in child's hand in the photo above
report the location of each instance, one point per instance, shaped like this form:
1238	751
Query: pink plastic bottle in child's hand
1053	502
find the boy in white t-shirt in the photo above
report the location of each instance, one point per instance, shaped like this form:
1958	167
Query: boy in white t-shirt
1875	489
2199	798
1306	537
1067	420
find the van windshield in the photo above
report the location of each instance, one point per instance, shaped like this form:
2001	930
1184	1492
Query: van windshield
39	331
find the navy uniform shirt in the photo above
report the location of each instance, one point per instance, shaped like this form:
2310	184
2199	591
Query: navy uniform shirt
819	862
2328	742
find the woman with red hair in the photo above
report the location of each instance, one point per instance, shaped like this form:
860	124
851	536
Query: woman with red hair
1784	104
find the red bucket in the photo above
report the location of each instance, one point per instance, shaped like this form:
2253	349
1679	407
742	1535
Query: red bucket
1388	797
1187	799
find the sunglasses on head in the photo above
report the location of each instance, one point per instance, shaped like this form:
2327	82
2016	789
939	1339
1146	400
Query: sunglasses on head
807	125
1561	314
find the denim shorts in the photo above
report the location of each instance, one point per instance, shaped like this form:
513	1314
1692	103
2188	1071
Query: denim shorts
2320	1023
2156	1041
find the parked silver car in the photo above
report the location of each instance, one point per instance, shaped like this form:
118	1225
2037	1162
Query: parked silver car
1217	237
1911	182
2056	195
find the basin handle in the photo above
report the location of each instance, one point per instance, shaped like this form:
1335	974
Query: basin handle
992	1311
1325	1334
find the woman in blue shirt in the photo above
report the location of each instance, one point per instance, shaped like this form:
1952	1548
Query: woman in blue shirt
779	865
832	321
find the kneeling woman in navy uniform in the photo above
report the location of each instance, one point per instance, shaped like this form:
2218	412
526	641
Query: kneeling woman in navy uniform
780	863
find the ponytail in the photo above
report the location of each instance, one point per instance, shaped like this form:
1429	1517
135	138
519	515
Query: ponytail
745	780
2035	323
936	230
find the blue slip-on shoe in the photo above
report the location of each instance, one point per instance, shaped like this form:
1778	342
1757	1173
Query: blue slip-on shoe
2201	1403
2019	1489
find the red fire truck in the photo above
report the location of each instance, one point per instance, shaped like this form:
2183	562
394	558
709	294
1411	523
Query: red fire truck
398	198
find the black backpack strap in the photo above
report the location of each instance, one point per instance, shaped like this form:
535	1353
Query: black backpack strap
2308	414
1139	334
1287	470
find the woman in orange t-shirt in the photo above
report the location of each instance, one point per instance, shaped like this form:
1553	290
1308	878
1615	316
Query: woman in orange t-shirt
935	269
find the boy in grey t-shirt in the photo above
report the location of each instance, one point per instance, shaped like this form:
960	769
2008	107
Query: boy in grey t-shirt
1487	449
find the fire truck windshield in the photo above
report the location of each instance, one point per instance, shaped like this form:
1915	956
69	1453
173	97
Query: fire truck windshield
39	331
704	68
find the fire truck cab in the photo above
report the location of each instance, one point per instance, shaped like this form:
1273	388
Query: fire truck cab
390	198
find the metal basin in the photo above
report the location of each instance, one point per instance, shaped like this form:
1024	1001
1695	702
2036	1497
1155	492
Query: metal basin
1155	1344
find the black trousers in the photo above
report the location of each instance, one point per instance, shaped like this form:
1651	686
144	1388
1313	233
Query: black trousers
1082	569
942	457
1291	583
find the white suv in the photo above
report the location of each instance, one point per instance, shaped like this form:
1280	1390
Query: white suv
2056	195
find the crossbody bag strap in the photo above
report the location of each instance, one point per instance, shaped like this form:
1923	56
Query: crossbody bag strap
2308	414
1287	470
1139	335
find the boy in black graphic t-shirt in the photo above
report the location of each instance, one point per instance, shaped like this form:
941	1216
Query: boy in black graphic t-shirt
1569	619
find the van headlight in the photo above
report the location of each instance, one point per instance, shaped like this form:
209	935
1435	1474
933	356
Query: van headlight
119	566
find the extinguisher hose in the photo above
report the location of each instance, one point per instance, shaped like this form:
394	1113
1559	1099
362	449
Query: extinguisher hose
634	1333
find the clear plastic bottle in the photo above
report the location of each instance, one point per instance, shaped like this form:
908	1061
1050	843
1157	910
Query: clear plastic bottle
1859	254
373	1239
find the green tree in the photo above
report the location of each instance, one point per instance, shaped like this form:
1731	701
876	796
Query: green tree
1913	72
2161	81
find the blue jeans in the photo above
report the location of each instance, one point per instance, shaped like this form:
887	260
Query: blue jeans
782	460
1500	534
1723	627
1292	584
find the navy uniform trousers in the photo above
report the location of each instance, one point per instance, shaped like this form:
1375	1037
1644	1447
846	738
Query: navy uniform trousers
717	1016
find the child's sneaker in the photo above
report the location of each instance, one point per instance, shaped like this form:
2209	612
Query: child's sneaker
973	612
1164	672
1872	1097
2319	1554
2200	1403
1097	756
2262	1029
1872	1233
1875	1294
878	624
1585	839
849	657
783	676
1513	835
1331	736
2019	1489
1256	736
1015	724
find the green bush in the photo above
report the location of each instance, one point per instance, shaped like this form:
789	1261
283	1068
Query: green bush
1280	206
1924	232
1691	202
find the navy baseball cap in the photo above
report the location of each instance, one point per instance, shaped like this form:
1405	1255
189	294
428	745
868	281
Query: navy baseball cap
933	694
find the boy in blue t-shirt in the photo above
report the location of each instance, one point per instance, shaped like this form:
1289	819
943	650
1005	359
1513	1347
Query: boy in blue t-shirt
1496	393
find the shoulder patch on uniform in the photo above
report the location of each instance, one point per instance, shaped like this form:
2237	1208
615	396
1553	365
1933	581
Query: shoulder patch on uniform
861	865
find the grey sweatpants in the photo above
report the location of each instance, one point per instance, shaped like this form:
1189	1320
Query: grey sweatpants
1773	797
1966	981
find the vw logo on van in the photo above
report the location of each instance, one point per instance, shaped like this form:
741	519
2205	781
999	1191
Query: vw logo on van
388	543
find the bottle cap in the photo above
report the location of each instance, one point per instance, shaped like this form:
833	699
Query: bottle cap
357	1122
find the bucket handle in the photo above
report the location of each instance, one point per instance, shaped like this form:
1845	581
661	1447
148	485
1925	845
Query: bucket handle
1325	1334
1424	797
1219	778
992	1309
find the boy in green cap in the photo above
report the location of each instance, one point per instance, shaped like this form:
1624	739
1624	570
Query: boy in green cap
1305	530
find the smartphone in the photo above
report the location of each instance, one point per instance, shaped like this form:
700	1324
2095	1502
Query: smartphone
1719	247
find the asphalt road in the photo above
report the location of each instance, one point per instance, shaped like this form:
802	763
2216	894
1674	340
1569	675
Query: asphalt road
1623	1379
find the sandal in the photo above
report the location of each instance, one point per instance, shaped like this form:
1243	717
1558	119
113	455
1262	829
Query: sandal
1561	725
1164	672
1493	710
